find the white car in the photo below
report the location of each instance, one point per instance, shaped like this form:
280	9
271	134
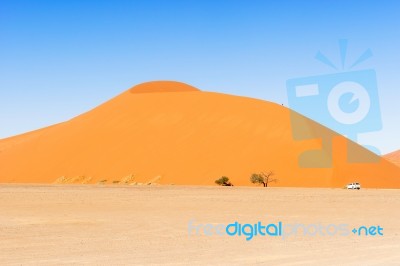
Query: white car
354	185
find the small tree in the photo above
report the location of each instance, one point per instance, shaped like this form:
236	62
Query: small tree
223	181
263	178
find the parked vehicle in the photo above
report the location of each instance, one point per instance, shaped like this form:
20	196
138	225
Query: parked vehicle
354	185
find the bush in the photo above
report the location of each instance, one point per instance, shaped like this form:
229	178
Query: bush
256	179
223	181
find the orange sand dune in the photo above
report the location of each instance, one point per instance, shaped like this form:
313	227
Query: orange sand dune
393	157
179	135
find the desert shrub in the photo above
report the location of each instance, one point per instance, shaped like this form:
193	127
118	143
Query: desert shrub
223	181
256	179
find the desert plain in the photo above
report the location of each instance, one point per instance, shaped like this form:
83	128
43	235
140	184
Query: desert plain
148	225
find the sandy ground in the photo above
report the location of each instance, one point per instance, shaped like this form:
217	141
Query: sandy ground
119	225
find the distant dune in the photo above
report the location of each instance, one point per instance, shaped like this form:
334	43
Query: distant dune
393	157
172	133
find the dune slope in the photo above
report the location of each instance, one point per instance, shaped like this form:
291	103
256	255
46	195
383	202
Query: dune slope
172	133
393	157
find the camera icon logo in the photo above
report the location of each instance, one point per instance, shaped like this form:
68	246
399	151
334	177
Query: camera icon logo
346	102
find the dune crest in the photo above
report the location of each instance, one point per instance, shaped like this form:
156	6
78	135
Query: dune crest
162	86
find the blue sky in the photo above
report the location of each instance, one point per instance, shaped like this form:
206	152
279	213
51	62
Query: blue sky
61	58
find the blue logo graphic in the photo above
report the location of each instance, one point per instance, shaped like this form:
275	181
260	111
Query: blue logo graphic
346	102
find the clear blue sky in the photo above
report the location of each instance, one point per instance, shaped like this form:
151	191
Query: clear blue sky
61	58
